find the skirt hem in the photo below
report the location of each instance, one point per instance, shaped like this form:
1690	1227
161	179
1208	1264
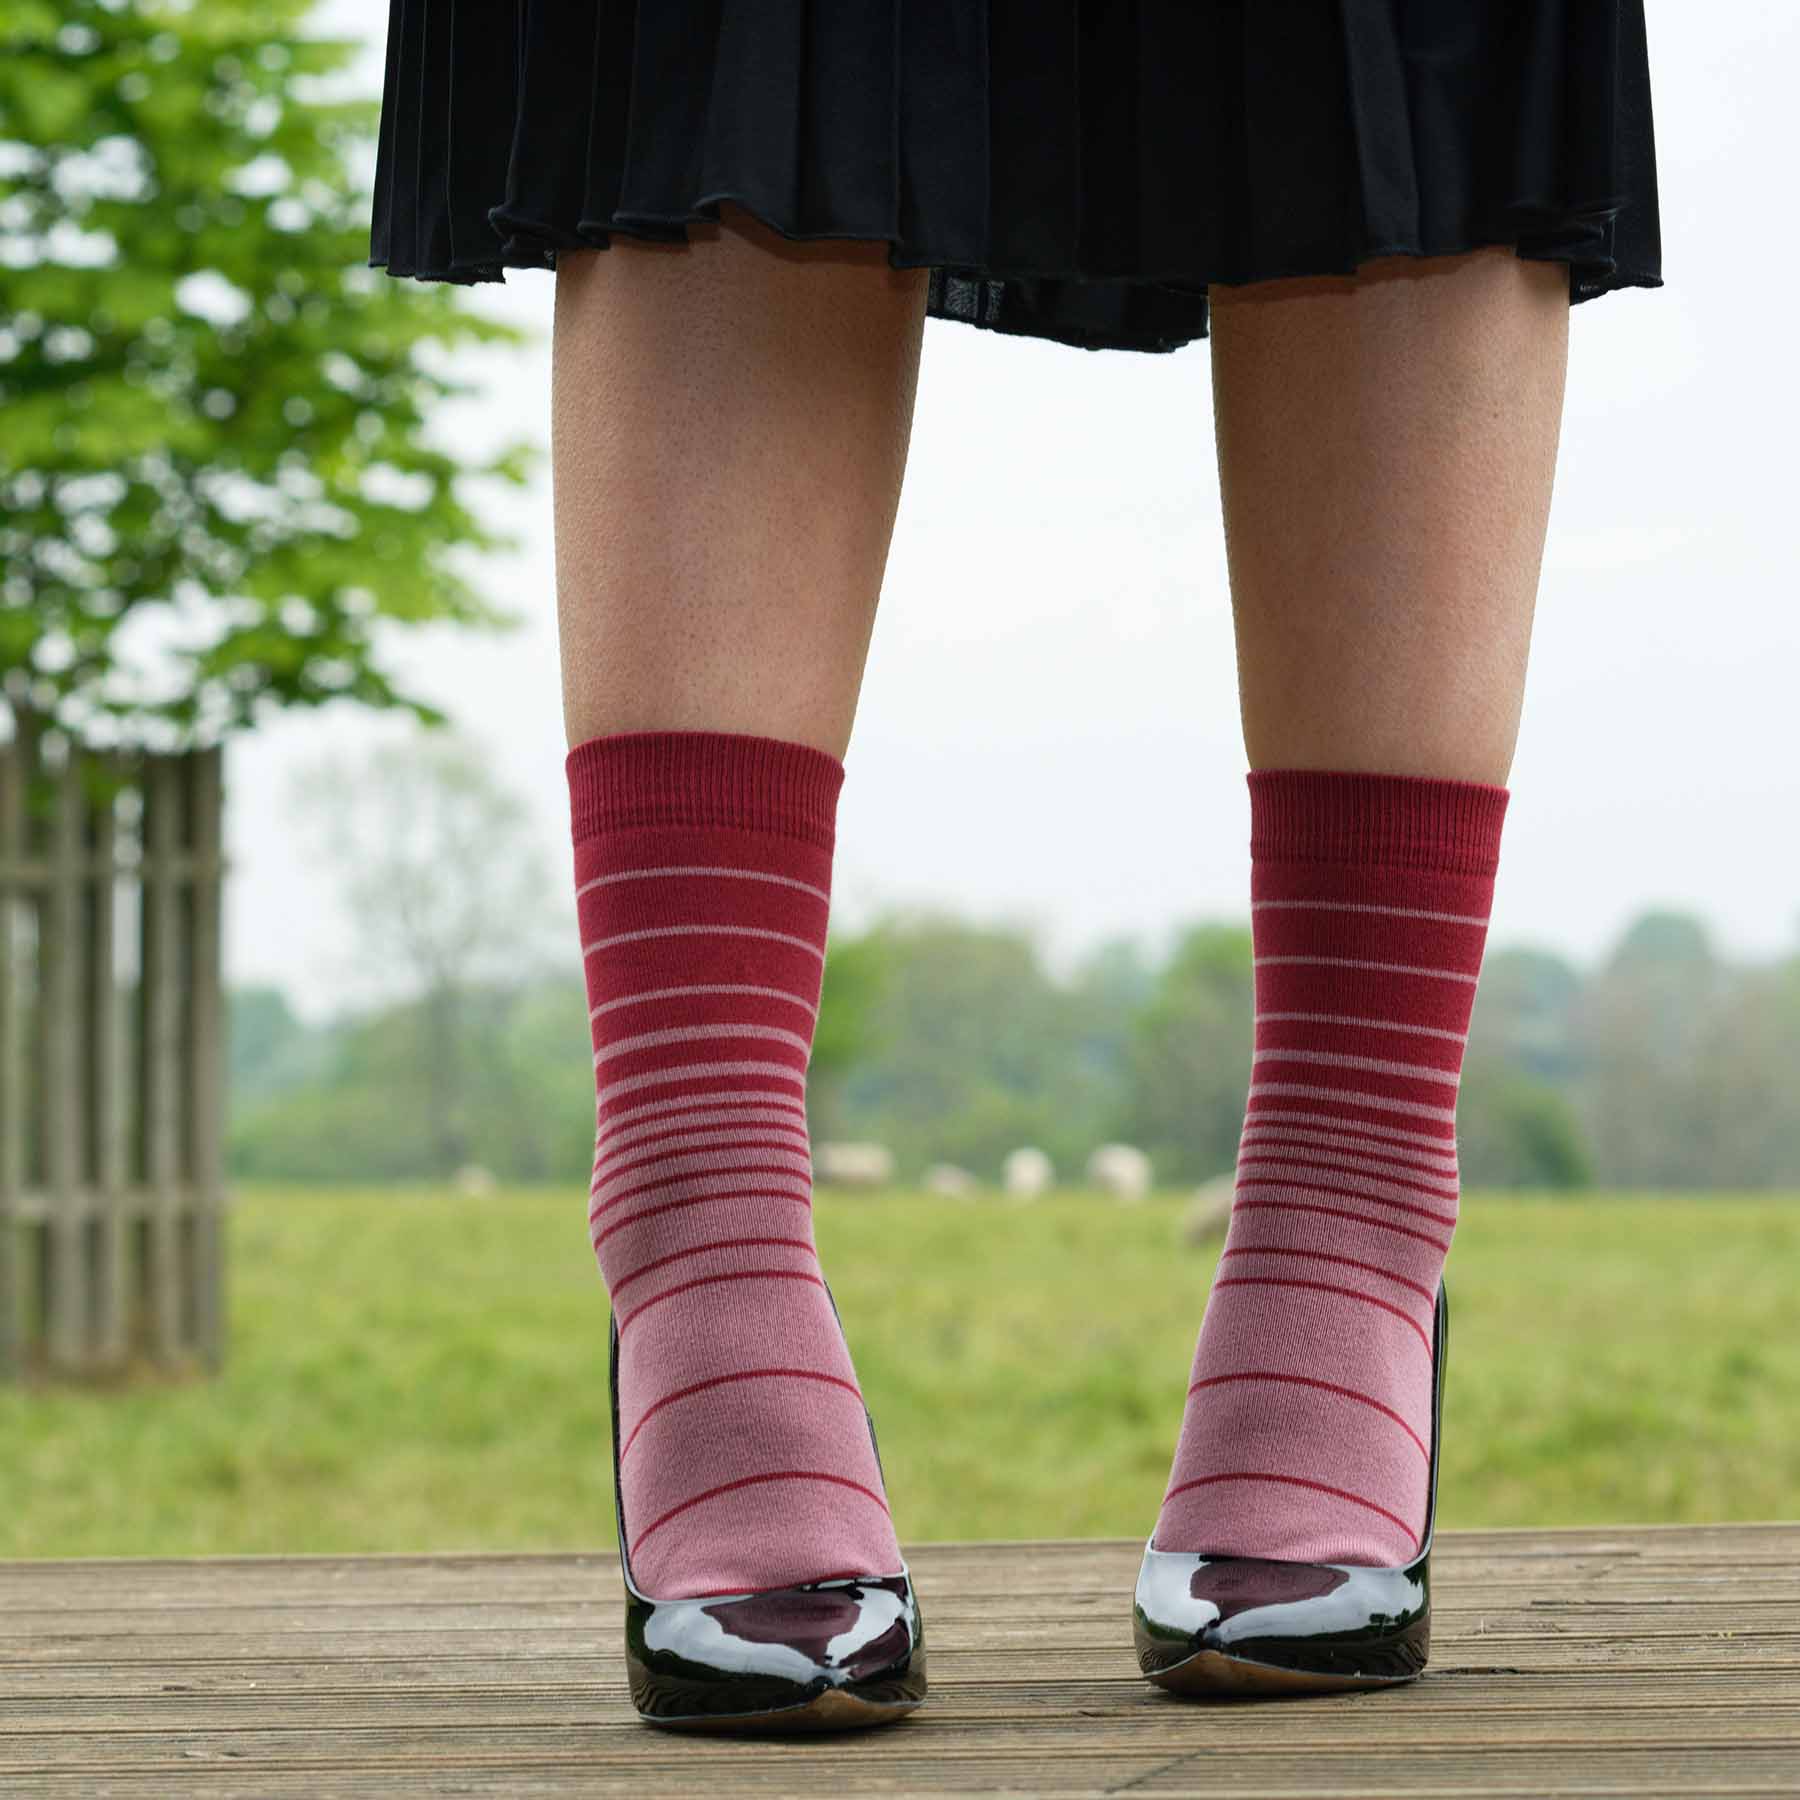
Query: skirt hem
532	243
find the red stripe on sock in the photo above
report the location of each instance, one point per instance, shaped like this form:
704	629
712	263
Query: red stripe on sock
1322	1287
629	1117
1333	1212
1263	1115
685	1287
1320	1487
632	1156
699	1125
1437	1190
744	1481
647	1187
700	1387
743	1243
1344	1115
668	1206
1329	1387
1322	1140
1318	1187
703	1140
1349	1262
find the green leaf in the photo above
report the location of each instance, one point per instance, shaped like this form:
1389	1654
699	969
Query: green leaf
216	375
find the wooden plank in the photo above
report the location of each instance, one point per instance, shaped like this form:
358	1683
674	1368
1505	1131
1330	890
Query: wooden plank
159	1054
12	1096
753	1775
61	1098
984	1688
205	1068
1575	1559
105	1146
1445	1710
915	1758
1614	1663
73	1659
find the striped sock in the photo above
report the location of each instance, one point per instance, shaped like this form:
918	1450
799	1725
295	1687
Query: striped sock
703	876
1307	1428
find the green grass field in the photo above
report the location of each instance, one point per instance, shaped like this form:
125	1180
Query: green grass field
413	1370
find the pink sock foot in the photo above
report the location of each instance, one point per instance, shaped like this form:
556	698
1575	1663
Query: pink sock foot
1307	1430
703	875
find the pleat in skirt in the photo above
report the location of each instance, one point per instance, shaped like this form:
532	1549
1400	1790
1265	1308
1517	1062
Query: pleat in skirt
1074	170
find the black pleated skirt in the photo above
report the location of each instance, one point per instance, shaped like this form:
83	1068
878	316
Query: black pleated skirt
1074	170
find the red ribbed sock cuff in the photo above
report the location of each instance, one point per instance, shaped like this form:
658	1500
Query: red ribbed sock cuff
1352	816
701	779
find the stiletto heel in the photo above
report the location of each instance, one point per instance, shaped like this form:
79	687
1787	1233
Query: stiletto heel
1243	1624
824	1656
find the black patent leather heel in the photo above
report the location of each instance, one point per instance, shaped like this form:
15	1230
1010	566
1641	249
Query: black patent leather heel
825	1656
1253	1625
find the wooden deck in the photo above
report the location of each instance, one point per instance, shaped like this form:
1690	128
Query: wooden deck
1627	1662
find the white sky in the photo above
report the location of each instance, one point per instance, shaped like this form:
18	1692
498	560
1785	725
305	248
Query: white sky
1049	725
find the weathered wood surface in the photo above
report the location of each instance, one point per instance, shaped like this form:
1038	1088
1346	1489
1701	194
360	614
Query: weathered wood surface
1620	1663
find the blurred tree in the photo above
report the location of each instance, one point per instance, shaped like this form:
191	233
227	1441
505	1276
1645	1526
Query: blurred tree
857	973
1108	988
970	1050
1640	1027
269	1048
1514	1129
1524	1011
953	1044
367	1113
1747	1073
214	485
445	890
1189	1064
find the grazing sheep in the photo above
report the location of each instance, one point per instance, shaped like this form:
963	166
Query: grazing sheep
853	1165
949	1180
1209	1212
1027	1173
473	1180
1122	1170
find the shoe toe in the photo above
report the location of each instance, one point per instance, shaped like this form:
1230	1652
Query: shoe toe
823	1656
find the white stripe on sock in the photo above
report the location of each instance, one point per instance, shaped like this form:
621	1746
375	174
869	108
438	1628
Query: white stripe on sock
1274	1169
1414	1207
1281	1116
693	1071
711	1163
751	1096
704	987
1355	1097
704	869
660	931
1355	962
632	1156
693	1034
700	1187
703	1119
1440	1163
1456	1037
1374	1064
1365	906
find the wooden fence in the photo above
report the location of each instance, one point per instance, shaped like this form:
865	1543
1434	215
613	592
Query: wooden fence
111	1064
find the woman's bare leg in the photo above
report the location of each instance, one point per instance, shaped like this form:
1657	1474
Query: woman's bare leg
730	428
730	422
1386	450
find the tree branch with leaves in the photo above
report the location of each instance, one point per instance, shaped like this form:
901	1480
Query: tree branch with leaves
216	485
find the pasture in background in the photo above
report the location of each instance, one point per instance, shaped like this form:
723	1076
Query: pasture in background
417	1369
